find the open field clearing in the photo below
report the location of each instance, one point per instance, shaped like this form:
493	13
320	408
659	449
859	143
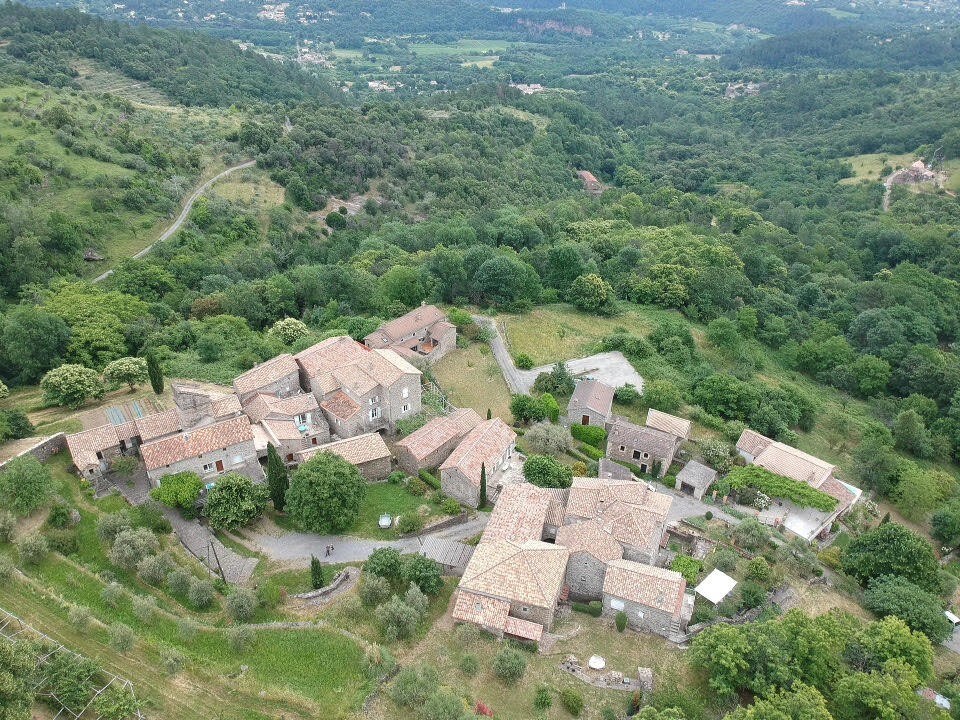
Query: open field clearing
471	378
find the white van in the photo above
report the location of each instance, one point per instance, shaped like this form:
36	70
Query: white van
954	620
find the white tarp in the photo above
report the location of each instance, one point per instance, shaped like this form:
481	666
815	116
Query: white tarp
716	586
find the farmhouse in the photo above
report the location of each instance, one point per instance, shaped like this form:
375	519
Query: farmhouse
591	547
92	450
209	451
291	424
279	376
670	424
423	334
653	598
489	445
591	403
368	452
789	462
432	444
650	449
360	390
591	185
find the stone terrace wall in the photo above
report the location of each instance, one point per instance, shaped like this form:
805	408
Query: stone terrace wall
42	450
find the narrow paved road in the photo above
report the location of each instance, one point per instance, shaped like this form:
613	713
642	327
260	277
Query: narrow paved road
187	207
513	376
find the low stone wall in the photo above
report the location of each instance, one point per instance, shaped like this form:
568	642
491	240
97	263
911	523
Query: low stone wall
43	450
450	522
339	580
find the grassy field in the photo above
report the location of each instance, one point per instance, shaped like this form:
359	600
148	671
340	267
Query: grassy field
471	378
869	166
464	46
393	500
99	79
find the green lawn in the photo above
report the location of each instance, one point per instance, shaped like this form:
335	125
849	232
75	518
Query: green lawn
463	46
386	498
471	378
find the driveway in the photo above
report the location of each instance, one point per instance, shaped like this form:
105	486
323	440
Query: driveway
611	368
299	546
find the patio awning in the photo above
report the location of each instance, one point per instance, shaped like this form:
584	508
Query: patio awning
523	629
716	586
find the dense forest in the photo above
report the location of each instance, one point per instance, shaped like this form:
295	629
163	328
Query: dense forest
743	212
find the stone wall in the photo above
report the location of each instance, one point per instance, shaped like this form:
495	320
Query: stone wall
653	619
441	525
42	450
585	577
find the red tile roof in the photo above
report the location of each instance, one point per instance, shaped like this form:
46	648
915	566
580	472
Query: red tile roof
485	444
265	373
421	443
183	446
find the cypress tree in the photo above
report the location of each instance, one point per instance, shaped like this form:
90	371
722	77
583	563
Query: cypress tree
277	478
489	414
483	485
316	573
154	371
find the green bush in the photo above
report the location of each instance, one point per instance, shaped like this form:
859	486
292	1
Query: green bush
751	595
450	506
32	548
241	604
543	698
429	479
590	434
509	665
8	524
121	637
396	477
181	490
469	665
777	486
688	567
572	701
523	361
621	621
63	541
594	608
592	452
417	487
410	522
201	593
547	472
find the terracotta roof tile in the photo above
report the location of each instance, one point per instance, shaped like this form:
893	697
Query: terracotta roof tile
417	319
591	537
159	424
526	629
558	505
85	445
671	424
753	443
322	361
281	429
128	430
439	431
646	585
485	444
530	573
265	373
588	496
519	514
481	610
225	405
356	450
183	446
340	405
593	395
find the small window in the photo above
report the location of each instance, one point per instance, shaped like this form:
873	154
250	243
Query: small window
313	441
646	456
640	614
583	578
302	419
623	448
290	457
636	454
406	393
208	467
375	413
524	609
477	608
405	408
375	399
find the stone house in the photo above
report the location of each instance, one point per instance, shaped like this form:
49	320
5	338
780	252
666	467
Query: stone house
359	389
671	424
653	598
159	425
432	444
196	404
789	462
591	547
632	513
291	424
695	479
368	452
591	185
422	335
649	449
590	404
279	376
92	450
489	445
209	450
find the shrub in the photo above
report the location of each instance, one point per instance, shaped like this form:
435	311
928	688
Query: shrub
627	394
543	698
410	522
526	409
509	665
548	439
173	660
398	620
708	515
590	434
63	541
752	594
6	567
449	506
178	582
572	701
201	593
468	634
235	501
469	665
442	706
417	487
144	607
241	604
26	485
181	490
154	569
59	516
112	594
79	616
593	608
121	637
759	570
550	406
429	479
621	621
133	545
240	638
373	589
414	685
8	524
109	526
777	486
546	472
396	477
523	361
724	559
688	567
378	662
423	572
593	453
32	548
385	562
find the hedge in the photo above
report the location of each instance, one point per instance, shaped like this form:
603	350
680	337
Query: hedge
429	479
590	434
777	486
591	452
594	608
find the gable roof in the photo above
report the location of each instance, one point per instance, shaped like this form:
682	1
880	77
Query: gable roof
262	406
159	424
519	514
85	445
530	573
486	443
225	405
697	475
340	405
752	442
593	395
356	450
671	424
439	431
485	611
591	537
656	442
186	445
266	373
645	585
368	367
419	318
589	496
